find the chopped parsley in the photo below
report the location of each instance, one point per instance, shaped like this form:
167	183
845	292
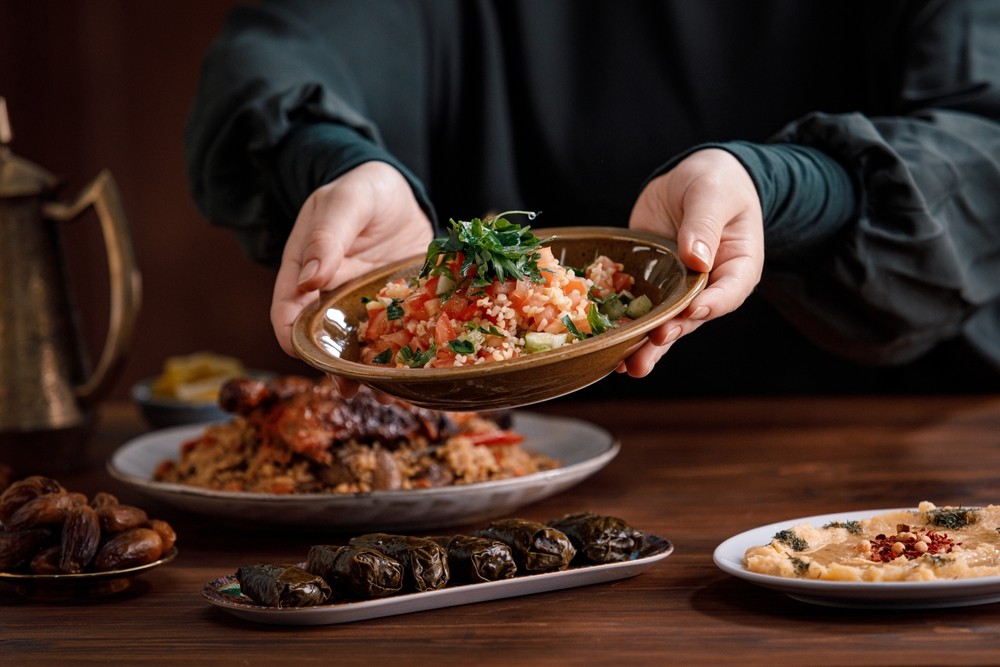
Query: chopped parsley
791	540
394	311
383	357
801	565
953	517
492	249
415	359
852	527
598	321
461	346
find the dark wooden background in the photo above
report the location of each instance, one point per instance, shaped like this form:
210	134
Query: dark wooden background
94	84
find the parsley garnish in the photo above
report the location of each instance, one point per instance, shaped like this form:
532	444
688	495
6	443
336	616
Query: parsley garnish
791	540
461	346
490	330
953	517
852	527
570	327
394	311
415	359
496	247
598	321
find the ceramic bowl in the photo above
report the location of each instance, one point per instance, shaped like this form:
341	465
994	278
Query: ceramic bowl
165	412
325	334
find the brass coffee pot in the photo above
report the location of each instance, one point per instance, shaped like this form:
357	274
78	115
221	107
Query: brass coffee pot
48	388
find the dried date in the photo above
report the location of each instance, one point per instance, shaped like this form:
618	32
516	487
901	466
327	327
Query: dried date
46	561
81	536
166	532
117	518
18	547
20	492
103	499
47	510
130	548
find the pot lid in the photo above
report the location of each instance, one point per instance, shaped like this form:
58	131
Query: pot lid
18	177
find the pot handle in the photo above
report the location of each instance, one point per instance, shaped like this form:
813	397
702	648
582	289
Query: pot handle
126	281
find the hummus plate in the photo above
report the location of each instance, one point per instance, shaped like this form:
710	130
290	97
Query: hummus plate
856	594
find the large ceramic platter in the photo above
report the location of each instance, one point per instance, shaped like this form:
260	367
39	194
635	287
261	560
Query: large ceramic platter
225	592
582	447
864	594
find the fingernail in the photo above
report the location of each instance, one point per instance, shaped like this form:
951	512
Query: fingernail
700	313
672	335
700	250
309	270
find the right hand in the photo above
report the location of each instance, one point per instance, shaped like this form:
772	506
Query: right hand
363	220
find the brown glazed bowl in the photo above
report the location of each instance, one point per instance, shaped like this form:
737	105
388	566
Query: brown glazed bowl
325	334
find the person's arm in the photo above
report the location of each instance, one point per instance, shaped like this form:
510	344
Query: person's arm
882	233
281	110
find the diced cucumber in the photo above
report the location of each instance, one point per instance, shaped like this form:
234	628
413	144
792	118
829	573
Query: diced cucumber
539	341
639	306
613	308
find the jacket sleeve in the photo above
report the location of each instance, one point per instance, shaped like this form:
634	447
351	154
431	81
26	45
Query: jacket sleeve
918	260
279	111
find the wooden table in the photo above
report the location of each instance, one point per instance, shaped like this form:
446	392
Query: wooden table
694	471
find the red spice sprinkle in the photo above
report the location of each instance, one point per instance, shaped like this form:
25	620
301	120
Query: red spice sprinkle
937	543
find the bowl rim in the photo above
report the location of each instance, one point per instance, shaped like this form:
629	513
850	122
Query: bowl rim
314	355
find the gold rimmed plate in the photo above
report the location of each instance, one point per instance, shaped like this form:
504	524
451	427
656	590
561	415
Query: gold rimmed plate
83	585
325	334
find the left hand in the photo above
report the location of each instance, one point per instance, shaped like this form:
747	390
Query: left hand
707	203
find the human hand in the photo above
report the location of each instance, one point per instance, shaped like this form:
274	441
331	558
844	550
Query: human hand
707	203
361	221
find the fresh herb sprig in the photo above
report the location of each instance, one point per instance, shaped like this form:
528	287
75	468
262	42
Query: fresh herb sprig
497	248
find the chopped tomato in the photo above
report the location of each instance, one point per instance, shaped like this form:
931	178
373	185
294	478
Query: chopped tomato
443	332
415	306
378	324
622	282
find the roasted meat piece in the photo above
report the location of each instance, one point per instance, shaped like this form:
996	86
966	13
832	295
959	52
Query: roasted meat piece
309	416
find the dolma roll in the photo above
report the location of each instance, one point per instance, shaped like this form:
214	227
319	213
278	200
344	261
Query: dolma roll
599	538
282	585
473	559
424	562
536	547
356	572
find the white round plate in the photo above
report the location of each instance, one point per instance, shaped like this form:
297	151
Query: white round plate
862	594
583	449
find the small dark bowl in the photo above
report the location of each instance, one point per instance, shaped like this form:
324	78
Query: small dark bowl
165	412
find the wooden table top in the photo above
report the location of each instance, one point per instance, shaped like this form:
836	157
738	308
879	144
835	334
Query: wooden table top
694	471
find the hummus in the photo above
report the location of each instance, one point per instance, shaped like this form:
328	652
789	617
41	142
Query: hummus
925	544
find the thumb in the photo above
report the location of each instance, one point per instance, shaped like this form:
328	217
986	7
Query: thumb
698	236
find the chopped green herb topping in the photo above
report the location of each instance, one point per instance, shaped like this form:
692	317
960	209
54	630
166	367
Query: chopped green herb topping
852	527
414	359
461	346
383	357
953	517
394	311
791	540
497	248
801	566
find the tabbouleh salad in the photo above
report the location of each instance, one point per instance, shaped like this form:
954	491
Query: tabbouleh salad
490	291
